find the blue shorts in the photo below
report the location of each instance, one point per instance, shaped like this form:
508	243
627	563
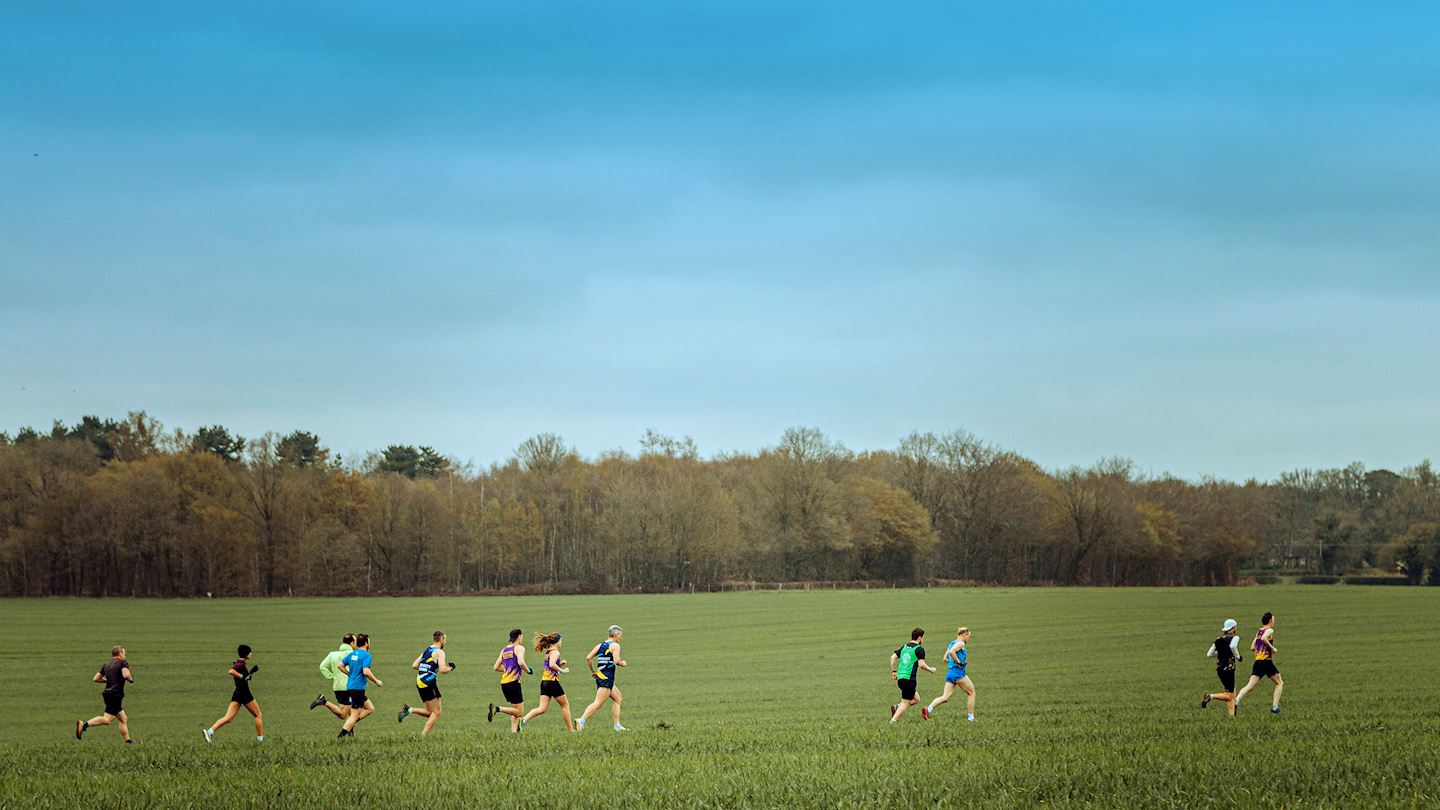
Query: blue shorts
954	677
604	683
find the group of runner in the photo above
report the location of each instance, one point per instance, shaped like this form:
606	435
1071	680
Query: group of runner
909	658
350	674
1226	652
349	670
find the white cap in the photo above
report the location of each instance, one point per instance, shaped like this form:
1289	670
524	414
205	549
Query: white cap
1230	624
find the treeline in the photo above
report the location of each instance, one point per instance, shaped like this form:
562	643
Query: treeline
123	507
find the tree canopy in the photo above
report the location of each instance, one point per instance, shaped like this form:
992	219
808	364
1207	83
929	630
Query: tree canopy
120	507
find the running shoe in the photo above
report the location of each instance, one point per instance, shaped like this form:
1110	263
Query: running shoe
490	714
580	724
619	727
317	702
1274	709
892	710
1205	701
924	712
404	712
209	734
80	726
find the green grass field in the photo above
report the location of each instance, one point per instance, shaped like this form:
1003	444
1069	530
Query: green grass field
751	699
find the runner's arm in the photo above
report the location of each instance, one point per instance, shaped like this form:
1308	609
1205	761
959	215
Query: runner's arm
125	673
343	669
520	660
618	660
98	677
371	676
440	663
1235	647
894	662
327	668
1210	653
234	674
497	666
920	659
589	659
416	663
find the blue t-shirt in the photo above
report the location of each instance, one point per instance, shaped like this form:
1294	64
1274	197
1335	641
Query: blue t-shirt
357	661
954	671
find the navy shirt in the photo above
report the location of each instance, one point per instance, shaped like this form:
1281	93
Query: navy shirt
605	661
428	667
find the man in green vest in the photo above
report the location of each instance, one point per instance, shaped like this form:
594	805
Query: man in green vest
905	664
339	681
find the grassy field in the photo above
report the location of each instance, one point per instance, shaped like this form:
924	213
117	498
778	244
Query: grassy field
1086	697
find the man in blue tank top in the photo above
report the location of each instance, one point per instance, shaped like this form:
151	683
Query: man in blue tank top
428	667
956	656
602	660
356	666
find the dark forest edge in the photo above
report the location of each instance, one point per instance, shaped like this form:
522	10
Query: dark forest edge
110	507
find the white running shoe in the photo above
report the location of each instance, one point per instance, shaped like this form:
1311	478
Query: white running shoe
580	725
619	727
209	735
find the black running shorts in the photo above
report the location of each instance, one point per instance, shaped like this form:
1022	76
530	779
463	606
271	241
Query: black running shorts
513	692
1227	678
551	689
357	698
113	703
907	688
428	693
1263	669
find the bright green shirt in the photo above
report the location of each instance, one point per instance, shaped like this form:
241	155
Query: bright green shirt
910	657
330	668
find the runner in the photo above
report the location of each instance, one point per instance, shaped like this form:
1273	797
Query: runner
902	668
114	673
241	671
955	655
431	664
356	665
551	668
339	681
511	666
602	661
1264	666
1226	651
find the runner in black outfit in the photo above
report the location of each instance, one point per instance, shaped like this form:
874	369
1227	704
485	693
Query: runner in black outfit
241	671
115	673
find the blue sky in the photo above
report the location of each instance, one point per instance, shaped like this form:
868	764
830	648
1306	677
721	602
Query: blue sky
1201	236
